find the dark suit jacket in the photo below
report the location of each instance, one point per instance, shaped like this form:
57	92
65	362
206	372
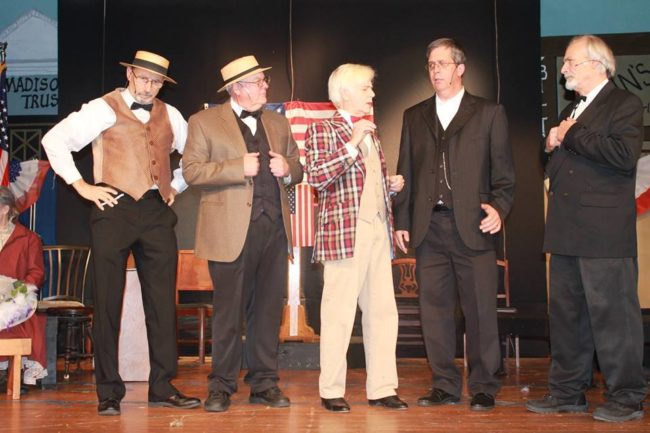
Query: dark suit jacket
481	168
591	207
214	161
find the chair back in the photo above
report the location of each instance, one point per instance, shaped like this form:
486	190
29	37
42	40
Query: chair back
404	280
66	269
191	273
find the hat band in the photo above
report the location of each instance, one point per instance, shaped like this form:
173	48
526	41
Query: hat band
154	67
241	74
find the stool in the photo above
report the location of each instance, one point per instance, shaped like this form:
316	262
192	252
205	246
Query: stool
15	348
76	322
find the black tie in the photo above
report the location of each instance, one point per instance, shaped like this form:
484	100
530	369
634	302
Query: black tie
577	102
137	105
254	114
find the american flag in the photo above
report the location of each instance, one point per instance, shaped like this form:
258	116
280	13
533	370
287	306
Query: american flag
302	198
4	127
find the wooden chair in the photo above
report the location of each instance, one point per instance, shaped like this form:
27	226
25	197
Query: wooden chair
409	338
15	349
192	275
63	296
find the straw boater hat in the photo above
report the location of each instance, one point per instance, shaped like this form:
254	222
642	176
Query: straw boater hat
150	62
239	69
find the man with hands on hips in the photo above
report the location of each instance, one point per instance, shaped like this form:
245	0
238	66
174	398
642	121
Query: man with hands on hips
132	134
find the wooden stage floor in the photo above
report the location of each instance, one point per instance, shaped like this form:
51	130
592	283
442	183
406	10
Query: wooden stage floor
73	407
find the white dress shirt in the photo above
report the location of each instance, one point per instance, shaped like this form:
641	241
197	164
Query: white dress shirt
81	127
590	97
447	109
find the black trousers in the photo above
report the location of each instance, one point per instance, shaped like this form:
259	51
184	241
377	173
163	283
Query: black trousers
145	227
447	271
594	306
251	287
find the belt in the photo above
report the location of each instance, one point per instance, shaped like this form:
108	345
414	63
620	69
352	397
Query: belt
441	208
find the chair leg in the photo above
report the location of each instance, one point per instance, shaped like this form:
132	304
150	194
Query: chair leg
464	350
517	351
202	335
13	379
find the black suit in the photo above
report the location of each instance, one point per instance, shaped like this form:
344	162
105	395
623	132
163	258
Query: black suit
591	234
453	256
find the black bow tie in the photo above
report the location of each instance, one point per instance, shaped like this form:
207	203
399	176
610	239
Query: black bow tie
579	99
254	114
137	105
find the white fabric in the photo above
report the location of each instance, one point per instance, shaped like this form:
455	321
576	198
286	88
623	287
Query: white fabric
365	278
16	308
447	109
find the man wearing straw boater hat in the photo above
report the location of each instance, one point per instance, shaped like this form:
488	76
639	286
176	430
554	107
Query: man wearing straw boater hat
243	158
133	134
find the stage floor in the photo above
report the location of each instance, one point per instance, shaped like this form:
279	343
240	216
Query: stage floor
73	407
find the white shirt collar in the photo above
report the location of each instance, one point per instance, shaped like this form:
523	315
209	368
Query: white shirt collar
236	107
128	98
595	91
347	116
454	100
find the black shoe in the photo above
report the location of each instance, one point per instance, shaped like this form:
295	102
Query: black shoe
613	411
390	402
177	401
482	401
217	401
335	404
438	397
550	404
271	397
108	407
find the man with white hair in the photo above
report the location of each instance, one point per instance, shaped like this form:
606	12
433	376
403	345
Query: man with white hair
345	163
243	158
591	159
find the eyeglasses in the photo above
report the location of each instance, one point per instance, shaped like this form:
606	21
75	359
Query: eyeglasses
432	66
572	63
156	84
260	82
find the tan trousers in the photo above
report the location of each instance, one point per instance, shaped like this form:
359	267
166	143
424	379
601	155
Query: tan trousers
367	279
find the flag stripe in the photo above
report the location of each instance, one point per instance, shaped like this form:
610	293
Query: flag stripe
302	197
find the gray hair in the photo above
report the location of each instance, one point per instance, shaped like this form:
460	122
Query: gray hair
342	76
598	51
7	198
457	52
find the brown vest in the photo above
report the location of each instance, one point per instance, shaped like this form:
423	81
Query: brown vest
132	156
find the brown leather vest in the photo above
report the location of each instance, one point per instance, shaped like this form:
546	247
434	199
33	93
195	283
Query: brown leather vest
131	155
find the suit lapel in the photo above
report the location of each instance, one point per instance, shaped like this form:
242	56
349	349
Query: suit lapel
596	105
231	126
431	116
343	131
265	123
465	112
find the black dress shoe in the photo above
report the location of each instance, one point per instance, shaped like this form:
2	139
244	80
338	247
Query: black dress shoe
390	402
335	404
218	401
272	397
177	401
482	401
108	407
550	404
437	397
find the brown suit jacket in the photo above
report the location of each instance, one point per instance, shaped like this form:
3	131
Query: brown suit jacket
214	161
